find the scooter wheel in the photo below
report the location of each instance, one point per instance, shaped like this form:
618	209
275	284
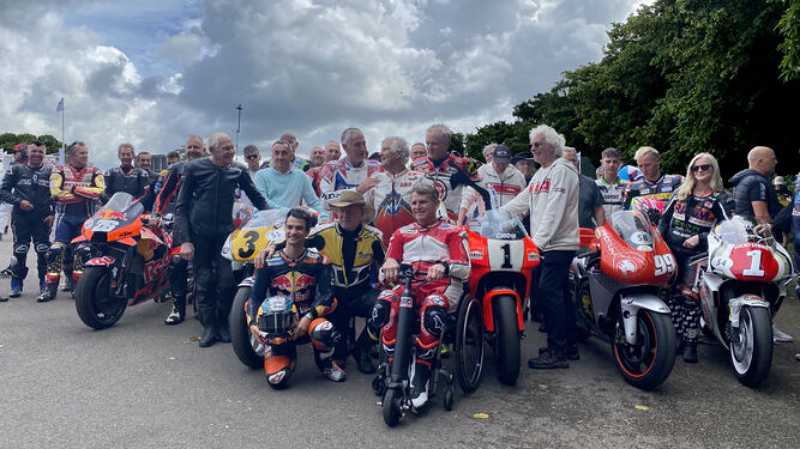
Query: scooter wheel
379	386
391	408
448	398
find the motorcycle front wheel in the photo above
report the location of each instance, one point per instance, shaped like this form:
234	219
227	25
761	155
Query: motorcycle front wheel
242	340
95	304
507	341
648	363
751	348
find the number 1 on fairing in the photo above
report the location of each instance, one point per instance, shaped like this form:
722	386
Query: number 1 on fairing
755	264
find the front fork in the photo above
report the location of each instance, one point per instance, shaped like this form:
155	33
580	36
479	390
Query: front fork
630	306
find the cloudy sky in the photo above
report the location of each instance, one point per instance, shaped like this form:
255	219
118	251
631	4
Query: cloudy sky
153	71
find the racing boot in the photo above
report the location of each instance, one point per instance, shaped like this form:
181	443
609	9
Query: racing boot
49	293
16	287
420	385
178	313
549	359
690	352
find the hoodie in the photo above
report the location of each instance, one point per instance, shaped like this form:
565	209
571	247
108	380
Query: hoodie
551	198
750	185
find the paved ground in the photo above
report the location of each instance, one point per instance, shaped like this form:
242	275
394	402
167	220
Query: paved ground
145	385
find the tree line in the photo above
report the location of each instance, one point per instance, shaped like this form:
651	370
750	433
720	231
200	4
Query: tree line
9	140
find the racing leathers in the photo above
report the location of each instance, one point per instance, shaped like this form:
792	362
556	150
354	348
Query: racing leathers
204	217
391	201
355	258
336	176
422	247
76	192
32	184
502	188
135	181
651	197
682	220
306	281
450	175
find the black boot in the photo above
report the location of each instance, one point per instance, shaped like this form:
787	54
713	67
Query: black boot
178	313
690	352
549	359
361	353
49	293
209	336
223	333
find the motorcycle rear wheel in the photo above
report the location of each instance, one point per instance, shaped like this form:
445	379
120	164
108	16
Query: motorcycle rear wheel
241	339
647	364
93	301
507	341
751	351
469	348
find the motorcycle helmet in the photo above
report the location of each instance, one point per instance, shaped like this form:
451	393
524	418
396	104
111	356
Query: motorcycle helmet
276	316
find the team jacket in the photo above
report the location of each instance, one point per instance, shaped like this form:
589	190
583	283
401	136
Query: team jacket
22	182
552	201
692	216
660	190
306	281
76	191
613	195
136	182
391	201
440	243
503	187
339	175
354	262
450	175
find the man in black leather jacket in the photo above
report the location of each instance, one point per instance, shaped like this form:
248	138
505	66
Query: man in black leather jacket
204	218
126	177
27	187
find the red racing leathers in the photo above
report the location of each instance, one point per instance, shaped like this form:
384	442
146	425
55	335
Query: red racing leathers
422	248
391	201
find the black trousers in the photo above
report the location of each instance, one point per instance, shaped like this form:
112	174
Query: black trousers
349	306
215	287
28	228
557	308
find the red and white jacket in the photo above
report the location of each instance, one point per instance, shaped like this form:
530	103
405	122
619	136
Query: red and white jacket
391	201
503	187
423	247
446	178
336	176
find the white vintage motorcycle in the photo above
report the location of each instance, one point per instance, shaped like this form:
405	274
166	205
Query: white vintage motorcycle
742	284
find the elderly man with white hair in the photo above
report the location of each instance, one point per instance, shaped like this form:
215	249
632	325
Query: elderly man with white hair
551	199
204	219
388	192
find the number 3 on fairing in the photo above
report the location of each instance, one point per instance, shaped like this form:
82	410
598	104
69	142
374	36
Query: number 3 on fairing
664	264
250	237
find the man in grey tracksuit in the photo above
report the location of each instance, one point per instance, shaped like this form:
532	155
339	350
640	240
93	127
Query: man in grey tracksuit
551	199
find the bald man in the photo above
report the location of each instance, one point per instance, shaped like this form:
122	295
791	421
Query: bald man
753	193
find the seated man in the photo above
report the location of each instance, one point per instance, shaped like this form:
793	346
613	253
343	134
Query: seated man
303	276
437	250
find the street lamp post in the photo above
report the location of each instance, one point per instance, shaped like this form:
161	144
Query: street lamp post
238	126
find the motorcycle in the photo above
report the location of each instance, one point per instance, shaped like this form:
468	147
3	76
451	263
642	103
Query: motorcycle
616	287
241	248
125	259
502	257
741	289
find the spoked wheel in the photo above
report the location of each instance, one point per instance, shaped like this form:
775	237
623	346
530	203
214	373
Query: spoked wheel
751	347
647	363
247	349
391	407
95	304
469	347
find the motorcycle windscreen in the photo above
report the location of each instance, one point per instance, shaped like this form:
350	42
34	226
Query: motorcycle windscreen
736	231
498	226
635	229
119	212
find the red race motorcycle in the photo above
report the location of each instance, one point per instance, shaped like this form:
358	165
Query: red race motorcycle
616	286
126	257
502	257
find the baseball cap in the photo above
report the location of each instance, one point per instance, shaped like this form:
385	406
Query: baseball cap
502	154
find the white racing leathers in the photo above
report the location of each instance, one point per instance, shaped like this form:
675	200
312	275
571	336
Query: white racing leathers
502	187
336	176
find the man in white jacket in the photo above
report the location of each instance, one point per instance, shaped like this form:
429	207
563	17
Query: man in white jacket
551	199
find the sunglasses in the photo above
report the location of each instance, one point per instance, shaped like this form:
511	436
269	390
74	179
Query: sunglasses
703	167
251	157
537	144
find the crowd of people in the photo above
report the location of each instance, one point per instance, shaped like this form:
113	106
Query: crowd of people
355	218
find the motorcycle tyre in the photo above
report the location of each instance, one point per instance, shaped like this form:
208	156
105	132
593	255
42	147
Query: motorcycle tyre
240	334
85	299
507	341
761	328
664	333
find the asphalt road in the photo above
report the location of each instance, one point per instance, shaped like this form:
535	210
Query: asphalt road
141	384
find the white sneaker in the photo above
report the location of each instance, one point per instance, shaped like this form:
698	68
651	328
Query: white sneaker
779	336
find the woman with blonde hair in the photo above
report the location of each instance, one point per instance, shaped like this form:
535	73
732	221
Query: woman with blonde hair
696	206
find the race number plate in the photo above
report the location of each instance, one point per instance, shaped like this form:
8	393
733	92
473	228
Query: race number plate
506	254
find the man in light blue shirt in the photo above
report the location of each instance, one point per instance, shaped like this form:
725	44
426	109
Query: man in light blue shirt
285	186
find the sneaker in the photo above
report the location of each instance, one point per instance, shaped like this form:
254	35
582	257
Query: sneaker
16	287
174	317
548	360
3	299
420	383
334	373
779	336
